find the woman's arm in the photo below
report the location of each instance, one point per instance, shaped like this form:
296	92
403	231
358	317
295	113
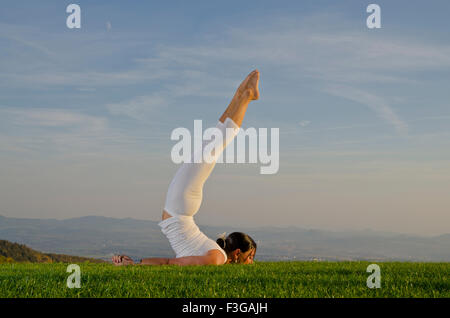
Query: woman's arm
213	257
154	261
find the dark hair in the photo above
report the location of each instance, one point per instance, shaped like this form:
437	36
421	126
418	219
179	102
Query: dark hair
236	240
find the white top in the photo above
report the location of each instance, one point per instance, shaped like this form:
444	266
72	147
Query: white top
186	238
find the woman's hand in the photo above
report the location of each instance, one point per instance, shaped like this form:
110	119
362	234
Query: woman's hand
119	260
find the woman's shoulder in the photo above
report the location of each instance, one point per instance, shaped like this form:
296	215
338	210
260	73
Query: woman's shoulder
217	257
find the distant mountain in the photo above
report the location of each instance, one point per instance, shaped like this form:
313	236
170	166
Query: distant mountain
101	237
13	252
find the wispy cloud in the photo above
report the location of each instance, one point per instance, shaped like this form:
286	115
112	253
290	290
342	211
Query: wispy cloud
304	123
357	50
376	103
340	60
40	130
46	117
138	108
341	56
78	78
68	133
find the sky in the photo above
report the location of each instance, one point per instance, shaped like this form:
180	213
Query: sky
363	114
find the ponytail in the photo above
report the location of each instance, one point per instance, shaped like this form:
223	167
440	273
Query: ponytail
222	242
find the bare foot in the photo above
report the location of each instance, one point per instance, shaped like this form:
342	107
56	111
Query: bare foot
120	260
249	87
246	92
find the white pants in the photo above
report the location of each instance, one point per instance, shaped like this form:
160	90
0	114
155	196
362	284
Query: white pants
184	198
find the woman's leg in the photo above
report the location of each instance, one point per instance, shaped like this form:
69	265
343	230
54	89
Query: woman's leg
184	196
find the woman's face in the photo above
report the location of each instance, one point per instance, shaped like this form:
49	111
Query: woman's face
247	257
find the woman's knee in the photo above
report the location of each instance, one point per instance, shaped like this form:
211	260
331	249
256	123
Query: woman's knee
165	215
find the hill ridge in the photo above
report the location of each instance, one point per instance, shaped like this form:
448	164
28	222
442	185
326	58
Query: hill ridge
12	252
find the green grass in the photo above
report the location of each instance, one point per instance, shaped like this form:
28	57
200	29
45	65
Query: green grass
262	279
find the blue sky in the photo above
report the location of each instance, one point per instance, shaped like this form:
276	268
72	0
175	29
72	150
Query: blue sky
86	114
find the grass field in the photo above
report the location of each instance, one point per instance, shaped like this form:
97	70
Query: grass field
262	279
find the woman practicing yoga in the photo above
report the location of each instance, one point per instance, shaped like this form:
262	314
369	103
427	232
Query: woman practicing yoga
184	198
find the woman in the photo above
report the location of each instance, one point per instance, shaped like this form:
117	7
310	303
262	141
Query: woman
184	198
